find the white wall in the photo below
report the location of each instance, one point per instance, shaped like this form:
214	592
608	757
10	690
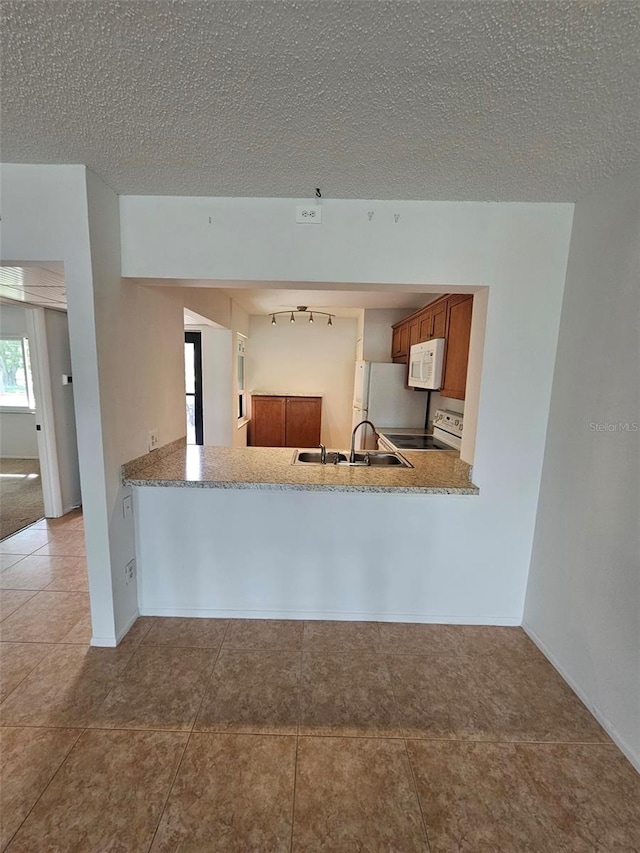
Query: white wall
17	429
518	251
217	382
583	596
45	218
57	329
304	358
377	332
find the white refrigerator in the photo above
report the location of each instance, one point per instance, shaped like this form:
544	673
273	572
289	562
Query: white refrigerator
380	396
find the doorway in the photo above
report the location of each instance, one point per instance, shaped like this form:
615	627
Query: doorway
193	386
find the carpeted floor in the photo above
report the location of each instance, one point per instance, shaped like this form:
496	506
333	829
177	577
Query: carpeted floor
20	494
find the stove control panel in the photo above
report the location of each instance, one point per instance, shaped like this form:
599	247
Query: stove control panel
450	421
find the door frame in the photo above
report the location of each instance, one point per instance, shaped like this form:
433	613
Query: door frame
195	338
45	424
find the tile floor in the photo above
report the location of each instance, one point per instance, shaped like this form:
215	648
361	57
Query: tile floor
230	735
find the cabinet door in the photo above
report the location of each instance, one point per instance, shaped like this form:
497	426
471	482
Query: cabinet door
395	343
404	339
414	332
457	347
304	416
267	425
425	327
439	321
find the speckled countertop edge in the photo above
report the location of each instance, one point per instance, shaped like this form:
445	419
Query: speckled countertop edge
436	472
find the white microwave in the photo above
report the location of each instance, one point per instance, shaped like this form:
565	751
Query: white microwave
425	365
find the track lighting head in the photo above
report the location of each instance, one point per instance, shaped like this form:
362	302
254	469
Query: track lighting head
301	309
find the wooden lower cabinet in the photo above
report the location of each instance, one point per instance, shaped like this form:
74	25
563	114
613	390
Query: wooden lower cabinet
285	421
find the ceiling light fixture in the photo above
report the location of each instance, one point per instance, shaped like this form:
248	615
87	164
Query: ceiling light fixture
302	309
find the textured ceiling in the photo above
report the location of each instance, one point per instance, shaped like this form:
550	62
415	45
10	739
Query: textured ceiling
454	99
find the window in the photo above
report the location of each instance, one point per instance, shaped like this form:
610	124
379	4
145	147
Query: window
242	412
16	383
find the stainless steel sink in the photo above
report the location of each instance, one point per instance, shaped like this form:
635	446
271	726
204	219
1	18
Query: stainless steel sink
313	457
364	458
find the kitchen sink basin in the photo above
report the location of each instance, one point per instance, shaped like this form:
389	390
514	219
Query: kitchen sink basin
312	457
364	458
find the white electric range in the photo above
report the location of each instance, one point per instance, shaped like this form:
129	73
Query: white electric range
446	435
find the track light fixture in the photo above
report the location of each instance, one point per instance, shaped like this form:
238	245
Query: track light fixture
302	309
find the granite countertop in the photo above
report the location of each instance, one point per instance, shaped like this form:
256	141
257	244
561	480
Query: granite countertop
437	472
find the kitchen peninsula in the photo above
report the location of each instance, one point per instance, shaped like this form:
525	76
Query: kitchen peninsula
245	533
440	472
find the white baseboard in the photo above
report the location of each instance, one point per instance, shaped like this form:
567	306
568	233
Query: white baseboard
426	619
112	642
6	456
606	724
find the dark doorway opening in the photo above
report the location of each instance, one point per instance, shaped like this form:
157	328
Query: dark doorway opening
193	384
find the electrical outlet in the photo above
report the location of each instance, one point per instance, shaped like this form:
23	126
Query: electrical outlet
127	506
153	439
130	572
309	215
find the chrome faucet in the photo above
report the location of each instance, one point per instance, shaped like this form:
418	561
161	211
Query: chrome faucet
323	454
352	454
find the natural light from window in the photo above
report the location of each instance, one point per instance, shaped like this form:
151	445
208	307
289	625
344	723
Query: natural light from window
16	383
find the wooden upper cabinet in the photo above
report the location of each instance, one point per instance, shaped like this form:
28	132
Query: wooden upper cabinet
439	326
303	423
425	326
400	341
458	333
414	332
267	427
449	317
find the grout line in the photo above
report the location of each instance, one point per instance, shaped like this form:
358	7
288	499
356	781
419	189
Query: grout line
189	735
170	789
406	752
293	798
49	783
26	675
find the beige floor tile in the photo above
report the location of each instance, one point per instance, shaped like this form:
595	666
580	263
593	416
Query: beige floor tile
584	796
108	795
161	688
16	662
474	797
64	544
67	688
12	599
264	634
342	636
30	758
71	521
25	542
347	694
196	633
81	633
538	798
355	794
475	640
532	702
54	573
7	560
46	617
252	692
441	696
233	794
